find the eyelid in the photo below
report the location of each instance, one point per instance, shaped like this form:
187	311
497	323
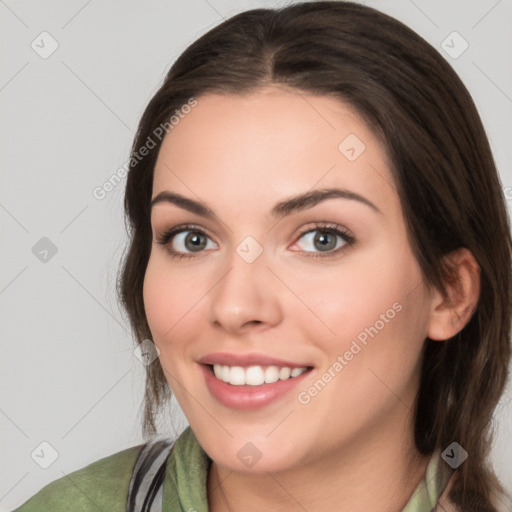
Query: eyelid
169	234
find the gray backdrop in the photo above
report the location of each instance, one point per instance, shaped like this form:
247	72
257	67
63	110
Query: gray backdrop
75	78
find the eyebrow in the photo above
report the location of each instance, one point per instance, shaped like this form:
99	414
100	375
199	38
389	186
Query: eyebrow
280	210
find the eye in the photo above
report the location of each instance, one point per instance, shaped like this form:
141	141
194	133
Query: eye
328	239
183	239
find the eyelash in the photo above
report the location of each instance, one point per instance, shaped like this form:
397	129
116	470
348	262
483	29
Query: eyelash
332	229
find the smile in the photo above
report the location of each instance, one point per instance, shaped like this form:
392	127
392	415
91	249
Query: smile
255	375
246	388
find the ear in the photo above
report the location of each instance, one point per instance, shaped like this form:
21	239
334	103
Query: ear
449	315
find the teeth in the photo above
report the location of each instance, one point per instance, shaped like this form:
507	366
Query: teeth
284	373
271	374
254	375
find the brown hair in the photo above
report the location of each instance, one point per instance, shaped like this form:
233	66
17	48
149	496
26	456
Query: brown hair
444	172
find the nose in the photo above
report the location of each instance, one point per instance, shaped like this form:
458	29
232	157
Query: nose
246	298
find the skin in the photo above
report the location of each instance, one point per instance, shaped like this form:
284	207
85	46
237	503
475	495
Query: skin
240	155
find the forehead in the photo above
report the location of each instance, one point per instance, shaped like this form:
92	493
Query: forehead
273	142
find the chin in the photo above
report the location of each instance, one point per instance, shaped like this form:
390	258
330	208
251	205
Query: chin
253	454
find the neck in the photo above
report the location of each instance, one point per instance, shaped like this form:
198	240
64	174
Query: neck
379	471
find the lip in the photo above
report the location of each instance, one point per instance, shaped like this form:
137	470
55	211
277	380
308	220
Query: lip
245	360
249	397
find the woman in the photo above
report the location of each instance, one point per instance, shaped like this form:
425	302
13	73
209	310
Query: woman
321	253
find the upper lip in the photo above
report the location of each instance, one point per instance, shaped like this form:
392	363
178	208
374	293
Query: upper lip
247	360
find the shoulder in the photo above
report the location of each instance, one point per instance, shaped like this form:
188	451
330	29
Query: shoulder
500	500
102	485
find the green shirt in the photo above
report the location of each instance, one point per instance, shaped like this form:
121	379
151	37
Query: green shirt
103	485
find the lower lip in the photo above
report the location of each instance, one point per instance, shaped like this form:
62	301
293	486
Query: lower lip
249	397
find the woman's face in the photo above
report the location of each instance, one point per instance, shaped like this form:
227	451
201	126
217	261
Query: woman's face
262	286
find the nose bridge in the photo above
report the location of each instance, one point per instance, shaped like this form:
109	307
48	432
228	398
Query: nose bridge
245	292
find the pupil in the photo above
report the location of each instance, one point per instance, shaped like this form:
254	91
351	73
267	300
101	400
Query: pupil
322	238
196	242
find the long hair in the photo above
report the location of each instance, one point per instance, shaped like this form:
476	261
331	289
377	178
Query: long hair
444	171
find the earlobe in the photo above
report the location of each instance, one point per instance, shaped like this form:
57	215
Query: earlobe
449	315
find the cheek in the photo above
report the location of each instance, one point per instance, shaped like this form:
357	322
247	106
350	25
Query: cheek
157	297
172	302
389	325
381	307
380	326
352	297
160	292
